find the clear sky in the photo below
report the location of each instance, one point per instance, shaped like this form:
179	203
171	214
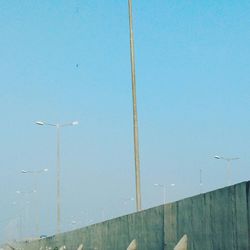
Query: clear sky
69	60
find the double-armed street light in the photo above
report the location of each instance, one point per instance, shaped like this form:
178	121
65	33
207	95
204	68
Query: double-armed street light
36	172
25	207
229	167
126	201
58	128
164	187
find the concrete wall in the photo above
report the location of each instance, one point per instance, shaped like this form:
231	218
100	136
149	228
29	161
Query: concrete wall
215	220
218	220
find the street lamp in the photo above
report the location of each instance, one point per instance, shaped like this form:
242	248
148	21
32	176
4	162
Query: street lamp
126	201
24	205
58	127
19	217
164	187
228	160
35	172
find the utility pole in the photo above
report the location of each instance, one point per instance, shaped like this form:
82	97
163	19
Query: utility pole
135	119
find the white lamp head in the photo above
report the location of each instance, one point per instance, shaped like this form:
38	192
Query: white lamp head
40	123
75	123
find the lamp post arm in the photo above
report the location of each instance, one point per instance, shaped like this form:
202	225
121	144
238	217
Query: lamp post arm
65	124
69	124
50	124
34	172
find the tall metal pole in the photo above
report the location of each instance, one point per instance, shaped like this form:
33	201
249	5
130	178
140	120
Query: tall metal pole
58	195
36	207
135	119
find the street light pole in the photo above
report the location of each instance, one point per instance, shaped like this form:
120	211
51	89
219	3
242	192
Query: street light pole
23	223
35	172
164	187
58	166
58	191
135	119
229	167
125	202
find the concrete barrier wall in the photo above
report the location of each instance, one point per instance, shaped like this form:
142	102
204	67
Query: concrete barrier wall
146	227
215	220
218	220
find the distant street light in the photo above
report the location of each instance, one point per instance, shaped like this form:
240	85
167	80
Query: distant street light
228	160
126	201
164	187
19	217
36	172
26	206
58	127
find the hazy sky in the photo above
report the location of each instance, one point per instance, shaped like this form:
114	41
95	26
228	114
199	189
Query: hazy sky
69	60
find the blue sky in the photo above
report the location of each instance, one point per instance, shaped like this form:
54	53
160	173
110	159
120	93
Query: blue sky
69	60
